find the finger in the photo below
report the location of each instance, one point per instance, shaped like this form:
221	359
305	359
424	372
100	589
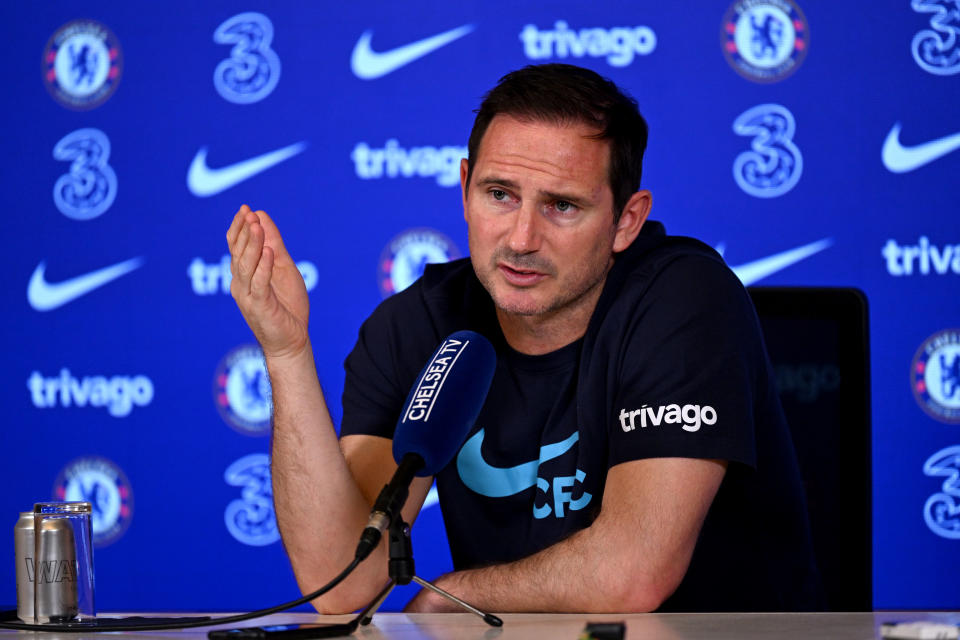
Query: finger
234	230
271	234
260	282
250	257
238	247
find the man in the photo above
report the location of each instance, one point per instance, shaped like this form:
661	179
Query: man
631	454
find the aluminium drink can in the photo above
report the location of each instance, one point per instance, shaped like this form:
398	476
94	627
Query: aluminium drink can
55	569
23	544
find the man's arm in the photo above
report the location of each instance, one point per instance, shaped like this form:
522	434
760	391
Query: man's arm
323	490
630	559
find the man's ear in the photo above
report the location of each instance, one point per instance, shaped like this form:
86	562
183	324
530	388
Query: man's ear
463	184
632	219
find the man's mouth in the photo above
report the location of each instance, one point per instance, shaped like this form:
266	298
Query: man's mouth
519	276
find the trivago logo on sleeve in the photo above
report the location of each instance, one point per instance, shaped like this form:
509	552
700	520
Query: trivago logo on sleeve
394	161
117	394
689	416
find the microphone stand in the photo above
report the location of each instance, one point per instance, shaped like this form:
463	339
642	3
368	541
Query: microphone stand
401	571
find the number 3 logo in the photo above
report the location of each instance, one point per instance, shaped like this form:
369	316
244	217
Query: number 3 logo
774	164
91	186
937	50
942	510
253	68
251	519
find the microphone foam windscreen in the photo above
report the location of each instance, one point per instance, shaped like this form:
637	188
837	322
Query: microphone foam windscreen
445	400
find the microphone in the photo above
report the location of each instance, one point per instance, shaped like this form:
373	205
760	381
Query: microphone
442	405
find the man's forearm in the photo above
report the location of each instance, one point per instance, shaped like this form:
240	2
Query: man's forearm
584	573
320	509
630	559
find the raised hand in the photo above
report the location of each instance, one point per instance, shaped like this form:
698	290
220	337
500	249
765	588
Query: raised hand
267	285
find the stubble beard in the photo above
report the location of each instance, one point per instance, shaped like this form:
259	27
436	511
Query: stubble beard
566	298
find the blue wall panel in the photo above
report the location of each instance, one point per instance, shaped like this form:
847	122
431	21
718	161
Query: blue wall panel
144	355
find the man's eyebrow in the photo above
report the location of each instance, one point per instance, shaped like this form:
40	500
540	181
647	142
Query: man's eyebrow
493	180
552	195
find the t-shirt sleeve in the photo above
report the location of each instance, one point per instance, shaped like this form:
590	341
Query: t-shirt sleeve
689	368
392	345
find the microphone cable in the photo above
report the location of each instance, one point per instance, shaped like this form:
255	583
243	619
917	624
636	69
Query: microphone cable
153	624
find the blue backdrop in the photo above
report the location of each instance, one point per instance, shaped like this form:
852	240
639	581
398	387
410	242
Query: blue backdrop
813	143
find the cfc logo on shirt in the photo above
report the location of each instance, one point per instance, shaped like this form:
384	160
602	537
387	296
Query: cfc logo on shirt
690	416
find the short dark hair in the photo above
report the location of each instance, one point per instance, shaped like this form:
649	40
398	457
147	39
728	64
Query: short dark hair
565	94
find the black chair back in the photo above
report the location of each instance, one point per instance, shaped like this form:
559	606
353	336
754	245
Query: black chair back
817	339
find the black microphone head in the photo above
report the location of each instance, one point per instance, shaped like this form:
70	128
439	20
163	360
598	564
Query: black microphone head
445	400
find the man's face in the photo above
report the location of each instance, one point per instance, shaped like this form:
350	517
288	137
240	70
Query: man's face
539	212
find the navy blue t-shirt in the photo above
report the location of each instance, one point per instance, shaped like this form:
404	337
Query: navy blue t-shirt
672	365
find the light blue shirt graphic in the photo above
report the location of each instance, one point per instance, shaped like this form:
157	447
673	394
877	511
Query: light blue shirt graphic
499	482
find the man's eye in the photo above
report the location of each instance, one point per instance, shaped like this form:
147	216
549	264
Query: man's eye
563	206
499	194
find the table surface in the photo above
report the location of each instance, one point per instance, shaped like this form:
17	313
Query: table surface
662	626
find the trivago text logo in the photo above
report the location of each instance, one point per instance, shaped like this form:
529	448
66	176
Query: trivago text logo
924	258
118	394
394	161
619	45
208	278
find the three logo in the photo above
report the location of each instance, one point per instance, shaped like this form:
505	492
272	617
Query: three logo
252	71
937	50
250	519
91	186
942	510
774	164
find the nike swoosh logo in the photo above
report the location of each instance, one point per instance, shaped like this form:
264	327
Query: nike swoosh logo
368	64
432	498
204	181
45	296
757	270
498	482
900	159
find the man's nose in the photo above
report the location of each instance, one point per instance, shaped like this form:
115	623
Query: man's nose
524	236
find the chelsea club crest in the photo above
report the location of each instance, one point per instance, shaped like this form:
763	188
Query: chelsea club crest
82	64
407	255
935	376
765	40
241	391
103	484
